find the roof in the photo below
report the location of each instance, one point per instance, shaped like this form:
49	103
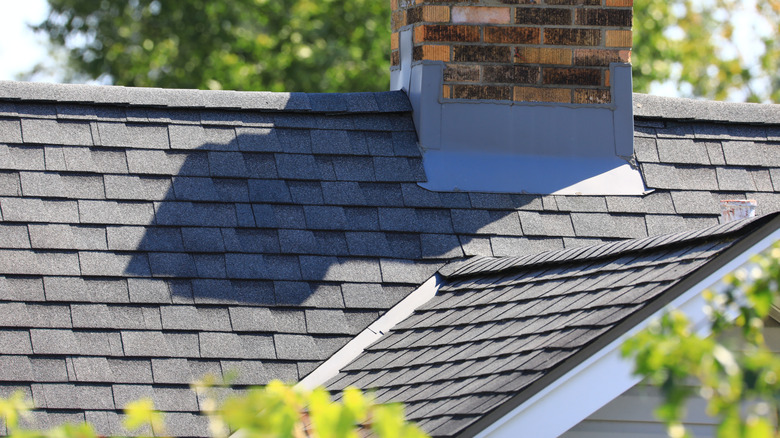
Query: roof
500	329
148	236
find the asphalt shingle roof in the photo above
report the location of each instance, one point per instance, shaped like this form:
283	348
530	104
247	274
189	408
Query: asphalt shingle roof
497	326
151	235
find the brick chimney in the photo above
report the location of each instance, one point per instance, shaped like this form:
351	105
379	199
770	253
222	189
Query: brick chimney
547	82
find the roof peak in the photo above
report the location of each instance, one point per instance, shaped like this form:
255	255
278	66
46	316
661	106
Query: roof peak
385	101
660	107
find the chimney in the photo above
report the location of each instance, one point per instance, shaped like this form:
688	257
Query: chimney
506	91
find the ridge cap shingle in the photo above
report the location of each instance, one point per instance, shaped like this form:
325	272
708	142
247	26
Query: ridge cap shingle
676	108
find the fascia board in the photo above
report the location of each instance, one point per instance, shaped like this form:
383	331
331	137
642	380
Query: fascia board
605	375
371	334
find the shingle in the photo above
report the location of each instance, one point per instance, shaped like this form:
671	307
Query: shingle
195	214
476	246
21	288
469	221
9	184
682	151
311	295
379	143
260	165
158	344
297	166
227	164
15	342
91	369
250	240
187	424
156	162
56	132
144	136
330	142
361	218
655	202
320	268
262	319
297	242
194	318
336	122
747	153
15	368
296	347
679	177
113	212
734	179
354	168
69	396
343	193
546	224
91	160
645	150
164	398
515	246
440	246
146	290
295	140
667	224
762	179
144	238
266	190
259	373
775	174
21	157
14	236
112	264
402	271
250	266
46	341
38	263
233	292
715	153
53	185
695	202
258	139
172	371
78	289
110	423
56	236
238	346
134	187
100	316
328	102
48	370
39	210
608	225
10	131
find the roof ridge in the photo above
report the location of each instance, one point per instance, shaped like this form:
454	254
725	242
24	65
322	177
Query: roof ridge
380	101
661	107
481	265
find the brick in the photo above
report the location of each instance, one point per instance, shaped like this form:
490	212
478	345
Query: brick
461	73
511	74
573	37
442	33
603	17
591	96
533	94
397	20
512	35
620	3
432	13
480	14
543	16
600	57
489	92
619	38
571	76
544	55
431	53
394	42
482	54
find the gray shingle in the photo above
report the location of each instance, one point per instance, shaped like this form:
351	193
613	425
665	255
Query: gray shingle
517	246
130	370
330	142
38	263
679	177
581	203
194	318
667	224
476	246
172	264
35	315
10	131
21	288
311	295
734	179
251	266
70	396
320	268
251	240
258	139
63	236
607	225
146	290
195	214
21	157
682	151
655	202
45	341
232	292
259	373
546	224
298	242
92	369
77	289
402	271
16	368
48	370
113	264
238	346
39	210
9	184
715	152
158	344
158	162
762	179
113	212
53	185
695	202
91	160
262	319
295	140
172	371
296	166
747	153
305	192
210	265
15	342
645	150
144	238
14	236
440	246
164	398
134	187
267	190
296	347
227	164
354	168
56	132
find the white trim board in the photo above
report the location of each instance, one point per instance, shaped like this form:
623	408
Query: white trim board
371	334
605	375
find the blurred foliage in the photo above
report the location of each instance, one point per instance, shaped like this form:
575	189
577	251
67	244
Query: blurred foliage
694	43
275	410
272	45
736	373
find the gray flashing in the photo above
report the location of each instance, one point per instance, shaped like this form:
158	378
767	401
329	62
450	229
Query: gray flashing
657	107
